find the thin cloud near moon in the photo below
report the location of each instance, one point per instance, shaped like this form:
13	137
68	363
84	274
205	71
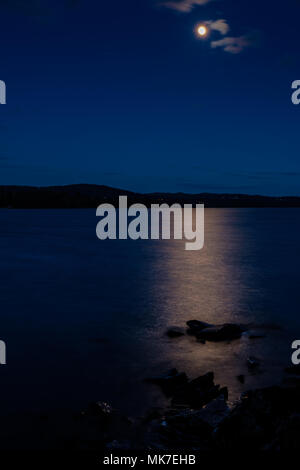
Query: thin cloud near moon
184	6
219	25
232	45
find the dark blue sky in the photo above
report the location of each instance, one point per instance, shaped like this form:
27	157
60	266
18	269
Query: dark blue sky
122	92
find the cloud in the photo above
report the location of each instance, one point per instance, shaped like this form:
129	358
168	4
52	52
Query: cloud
184	6
219	25
233	45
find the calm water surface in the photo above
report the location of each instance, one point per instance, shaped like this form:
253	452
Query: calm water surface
85	320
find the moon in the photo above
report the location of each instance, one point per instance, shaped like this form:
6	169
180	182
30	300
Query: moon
202	30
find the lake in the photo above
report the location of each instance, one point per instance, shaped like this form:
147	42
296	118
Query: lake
85	319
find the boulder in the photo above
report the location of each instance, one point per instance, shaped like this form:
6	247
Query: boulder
253	362
195	429
195	326
174	332
226	332
198	392
184	393
170	382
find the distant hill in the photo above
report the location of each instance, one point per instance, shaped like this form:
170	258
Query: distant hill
90	196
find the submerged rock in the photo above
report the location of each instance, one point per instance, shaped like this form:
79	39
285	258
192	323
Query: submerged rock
253	362
241	378
265	419
170	382
193	428
184	393
225	332
196	326
100	410
174	332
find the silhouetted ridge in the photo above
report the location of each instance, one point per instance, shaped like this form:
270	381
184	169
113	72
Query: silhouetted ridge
91	195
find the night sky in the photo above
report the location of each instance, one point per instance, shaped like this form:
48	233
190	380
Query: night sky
123	93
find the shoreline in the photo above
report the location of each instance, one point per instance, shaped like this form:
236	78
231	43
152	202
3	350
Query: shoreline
198	416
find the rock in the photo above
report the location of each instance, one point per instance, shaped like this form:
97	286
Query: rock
198	392
194	394
99	410
202	341
174	332
224	393
169	382
195	326
153	414
204	381
241	378
119	445
215	412
189	428
253	362
185	430
207	332
265	419
287	434
226	332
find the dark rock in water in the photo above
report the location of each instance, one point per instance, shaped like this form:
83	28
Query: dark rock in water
174	332
118	445
192	429
253	362
195	326
153	414
226	332
100	423
287	434
169	382
214	413
194	394
200	422
99	410
265	419
241	378
198	392
207	332
224	393
204	381
185	430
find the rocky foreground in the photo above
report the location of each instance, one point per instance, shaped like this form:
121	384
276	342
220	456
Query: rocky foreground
199	417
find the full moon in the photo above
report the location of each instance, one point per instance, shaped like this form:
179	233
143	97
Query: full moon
202	30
